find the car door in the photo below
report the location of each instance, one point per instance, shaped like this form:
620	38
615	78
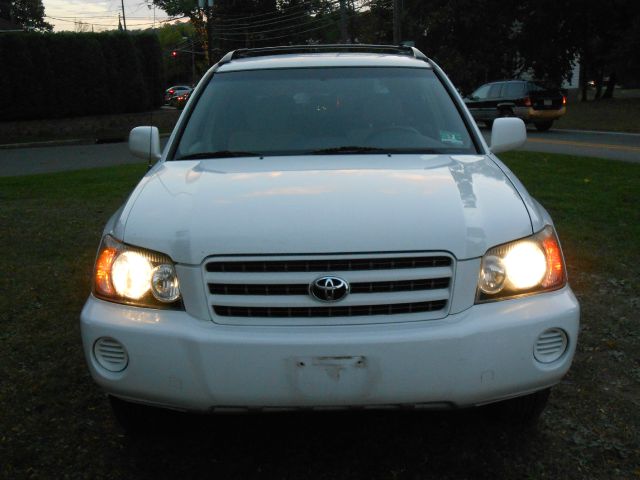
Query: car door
475	102
494	97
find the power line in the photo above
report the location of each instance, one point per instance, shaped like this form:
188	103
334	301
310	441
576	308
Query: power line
276	12
260	32
277	16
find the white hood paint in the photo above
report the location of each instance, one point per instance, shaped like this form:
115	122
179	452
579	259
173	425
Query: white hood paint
324	204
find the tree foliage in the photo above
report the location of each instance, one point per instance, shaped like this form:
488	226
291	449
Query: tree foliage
474	40
69	74
28	14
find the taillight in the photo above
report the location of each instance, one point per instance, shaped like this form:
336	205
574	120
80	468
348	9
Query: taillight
527	102
564	100
171	92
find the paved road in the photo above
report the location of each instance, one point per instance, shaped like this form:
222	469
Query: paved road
614	146
25	161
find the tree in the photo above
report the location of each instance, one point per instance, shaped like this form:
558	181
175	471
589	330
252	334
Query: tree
609	43
29	14
547	39
472	39
257	23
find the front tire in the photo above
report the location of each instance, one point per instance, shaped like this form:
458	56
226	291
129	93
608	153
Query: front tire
135	418
543	126
524	410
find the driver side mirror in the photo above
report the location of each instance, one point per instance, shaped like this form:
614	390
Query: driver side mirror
507	134
144	142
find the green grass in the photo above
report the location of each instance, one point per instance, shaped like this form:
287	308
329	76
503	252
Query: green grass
612	115
55	422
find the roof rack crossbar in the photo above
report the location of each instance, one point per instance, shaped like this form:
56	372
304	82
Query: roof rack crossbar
341	47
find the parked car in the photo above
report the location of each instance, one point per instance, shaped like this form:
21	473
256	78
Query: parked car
328	231
175	91
530	101
179	101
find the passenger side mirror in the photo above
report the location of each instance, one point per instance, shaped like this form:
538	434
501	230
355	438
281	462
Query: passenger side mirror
144	142
507	134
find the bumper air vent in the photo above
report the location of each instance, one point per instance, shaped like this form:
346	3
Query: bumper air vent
550	345
110	354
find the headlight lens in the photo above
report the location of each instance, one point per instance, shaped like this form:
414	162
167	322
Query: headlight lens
526	266
135	276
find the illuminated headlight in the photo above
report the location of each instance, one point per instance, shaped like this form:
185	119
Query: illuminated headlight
135	276
526	266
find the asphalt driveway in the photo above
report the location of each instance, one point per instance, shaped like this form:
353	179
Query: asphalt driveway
45	159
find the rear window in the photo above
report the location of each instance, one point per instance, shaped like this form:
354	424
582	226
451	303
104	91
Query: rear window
301	111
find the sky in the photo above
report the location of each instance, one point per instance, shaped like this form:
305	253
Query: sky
99	14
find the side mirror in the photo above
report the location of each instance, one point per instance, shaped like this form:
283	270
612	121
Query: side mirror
507	134
144	142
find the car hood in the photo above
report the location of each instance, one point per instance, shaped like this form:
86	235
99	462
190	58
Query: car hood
326	204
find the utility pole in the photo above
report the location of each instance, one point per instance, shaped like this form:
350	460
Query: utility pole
343	22
208	8
193	63
124	19
397	32
210	31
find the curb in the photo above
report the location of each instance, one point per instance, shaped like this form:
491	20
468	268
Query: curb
48	143
73	141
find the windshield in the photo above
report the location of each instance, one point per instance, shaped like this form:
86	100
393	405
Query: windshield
324	111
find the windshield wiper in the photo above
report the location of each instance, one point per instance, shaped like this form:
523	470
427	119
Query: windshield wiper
348	149
219	154
356	149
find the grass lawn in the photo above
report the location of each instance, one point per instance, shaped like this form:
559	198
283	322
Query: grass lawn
55	422
620	114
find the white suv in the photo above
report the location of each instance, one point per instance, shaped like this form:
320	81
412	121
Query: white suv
326	227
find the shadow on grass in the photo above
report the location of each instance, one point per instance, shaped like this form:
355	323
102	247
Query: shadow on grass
460	444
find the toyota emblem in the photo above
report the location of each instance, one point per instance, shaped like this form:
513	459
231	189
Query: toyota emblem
329	289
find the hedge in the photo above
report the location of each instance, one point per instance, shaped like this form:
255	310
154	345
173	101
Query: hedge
54	75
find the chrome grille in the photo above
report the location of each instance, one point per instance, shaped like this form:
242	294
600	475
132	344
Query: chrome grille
332	265
316	312
275	290
298	289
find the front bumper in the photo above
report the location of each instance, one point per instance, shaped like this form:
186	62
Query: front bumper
478	356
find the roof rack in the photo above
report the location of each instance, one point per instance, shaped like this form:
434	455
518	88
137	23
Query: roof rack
332	48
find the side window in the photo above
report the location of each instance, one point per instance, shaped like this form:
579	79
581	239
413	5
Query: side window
494	91
482	92
513	90
534	87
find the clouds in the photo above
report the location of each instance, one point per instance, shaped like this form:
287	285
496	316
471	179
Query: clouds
99	14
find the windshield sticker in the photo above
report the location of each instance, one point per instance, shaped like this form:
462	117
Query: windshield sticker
453	138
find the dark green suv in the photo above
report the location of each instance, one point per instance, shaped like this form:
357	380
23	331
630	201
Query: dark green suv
527	100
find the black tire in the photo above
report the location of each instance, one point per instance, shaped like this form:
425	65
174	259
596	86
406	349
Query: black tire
543	126
523	411
134	418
